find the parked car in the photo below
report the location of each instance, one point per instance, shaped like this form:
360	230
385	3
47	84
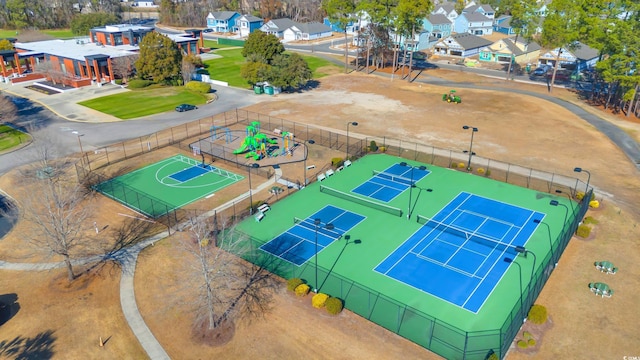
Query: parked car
541	70
207	30
185	107
560	75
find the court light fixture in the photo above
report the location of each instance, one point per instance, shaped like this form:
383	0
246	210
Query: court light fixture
317	223
254	166
510	261
579	169
470	151
306	153
354	123
523	250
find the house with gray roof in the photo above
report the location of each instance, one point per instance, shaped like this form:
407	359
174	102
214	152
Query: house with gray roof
462	45
307	31
277	26
447	9
576	57
222	21
505	50
473	23
482	9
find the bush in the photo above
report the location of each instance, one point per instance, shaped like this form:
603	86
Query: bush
583	231
462	165
318	300
594	204
480	171
302	290
373	146
139	84
538	314
531	342
580	195
118	81
527	335
198	86
383	149
493	356
333	305
293	283
589	220
487	173
337	162
454	165
522	344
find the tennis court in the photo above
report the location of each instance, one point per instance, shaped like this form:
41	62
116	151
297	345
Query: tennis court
386	185
166	185
298	243
461	249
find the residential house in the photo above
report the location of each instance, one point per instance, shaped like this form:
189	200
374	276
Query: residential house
222	21
462	45
503	25
447	9
577	57
362	19
505	50
438	26
246	24
473	23
307	31
481	9
277	26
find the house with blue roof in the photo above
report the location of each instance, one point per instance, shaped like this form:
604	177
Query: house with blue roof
503	25
222	21
246	24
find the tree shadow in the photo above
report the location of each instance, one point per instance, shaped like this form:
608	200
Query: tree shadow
9	307
37	347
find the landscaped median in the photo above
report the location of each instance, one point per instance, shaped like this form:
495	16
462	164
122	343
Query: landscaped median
150	100
11	138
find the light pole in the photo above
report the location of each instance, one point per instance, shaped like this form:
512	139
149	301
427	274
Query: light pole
354	124
510	261
558	191
418	197
317	223
538	221
79	143
411	186
254	166
578	169
566	210
522	250
306	153
473	130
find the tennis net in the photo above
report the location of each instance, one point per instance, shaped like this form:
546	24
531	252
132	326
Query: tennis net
358	200
311	225
469	235
395	178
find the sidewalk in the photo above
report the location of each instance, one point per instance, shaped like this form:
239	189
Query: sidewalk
65	104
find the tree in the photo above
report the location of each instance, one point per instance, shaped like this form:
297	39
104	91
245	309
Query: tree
254	71
5	45
123	66
341	12
408	17
289	71
262	47
523	20
227	287
82	23
160	59
560	29
57	206
378	29
52	71
8	110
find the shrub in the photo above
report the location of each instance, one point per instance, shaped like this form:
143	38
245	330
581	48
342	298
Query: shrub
493	356
454	165
538	314
118	81
198	86
580	195
139	84
480	171
383	149
302	290
589	220
373	146
293	283
333	305
594	204
527	335
531	342
522	344
487	173
318	300
337	162
462	165
583	231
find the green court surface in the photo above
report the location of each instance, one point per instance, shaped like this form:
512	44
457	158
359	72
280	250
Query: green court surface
166	185
346	268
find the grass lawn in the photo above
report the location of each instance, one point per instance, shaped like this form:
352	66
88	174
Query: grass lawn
214	45
59	33
10	137
227	68
151	100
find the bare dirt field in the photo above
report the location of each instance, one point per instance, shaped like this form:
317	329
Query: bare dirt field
512	128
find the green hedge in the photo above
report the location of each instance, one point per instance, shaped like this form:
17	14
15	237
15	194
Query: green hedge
333	305
198	86
583	231
139	84
538	314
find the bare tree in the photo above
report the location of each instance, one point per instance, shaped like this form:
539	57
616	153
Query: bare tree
57	206
228	288
124	66
8	110
52	71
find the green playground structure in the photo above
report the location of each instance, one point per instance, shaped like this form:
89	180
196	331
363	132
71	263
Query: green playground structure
254	144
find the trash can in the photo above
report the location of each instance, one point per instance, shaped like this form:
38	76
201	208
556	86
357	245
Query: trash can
528	68
258	89
268	90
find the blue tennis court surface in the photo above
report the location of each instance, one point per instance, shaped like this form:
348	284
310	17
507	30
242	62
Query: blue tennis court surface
191	172
386	185
298	244
458	254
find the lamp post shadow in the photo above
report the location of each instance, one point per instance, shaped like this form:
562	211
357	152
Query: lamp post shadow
346	243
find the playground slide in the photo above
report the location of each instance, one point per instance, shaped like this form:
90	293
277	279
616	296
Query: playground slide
254	154
242	149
